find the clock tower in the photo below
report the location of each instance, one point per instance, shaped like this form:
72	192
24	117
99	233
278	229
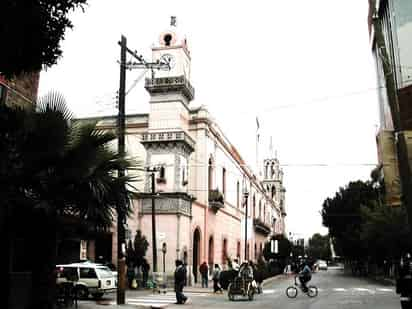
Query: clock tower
167	141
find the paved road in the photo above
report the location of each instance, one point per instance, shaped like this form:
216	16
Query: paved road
336	291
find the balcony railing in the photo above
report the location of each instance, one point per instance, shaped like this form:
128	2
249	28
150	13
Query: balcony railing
261	227
216	199
176	83
169	137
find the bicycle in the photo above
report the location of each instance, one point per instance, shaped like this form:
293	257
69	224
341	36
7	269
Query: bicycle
292	291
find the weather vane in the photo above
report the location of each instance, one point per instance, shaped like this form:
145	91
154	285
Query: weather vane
173	21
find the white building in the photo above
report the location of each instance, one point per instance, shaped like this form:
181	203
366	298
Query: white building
200	211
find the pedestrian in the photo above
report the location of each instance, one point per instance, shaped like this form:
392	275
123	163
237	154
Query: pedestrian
204	272
130	275
180	279
145	272
215	278
235	264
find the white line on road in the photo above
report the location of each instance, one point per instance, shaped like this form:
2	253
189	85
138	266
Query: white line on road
339	289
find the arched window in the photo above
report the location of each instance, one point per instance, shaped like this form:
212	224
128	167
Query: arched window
260	209
267	170
210	173
237	194
272	170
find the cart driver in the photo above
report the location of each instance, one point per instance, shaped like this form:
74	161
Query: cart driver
246	270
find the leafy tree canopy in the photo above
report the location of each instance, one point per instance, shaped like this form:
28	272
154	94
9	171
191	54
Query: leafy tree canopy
342	215
31	32
319	247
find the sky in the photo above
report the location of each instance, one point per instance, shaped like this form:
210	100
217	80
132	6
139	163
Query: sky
304	68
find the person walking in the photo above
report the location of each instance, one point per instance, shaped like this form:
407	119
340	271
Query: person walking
204	272
180	280
215	278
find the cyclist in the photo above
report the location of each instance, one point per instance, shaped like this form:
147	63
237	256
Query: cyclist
304	276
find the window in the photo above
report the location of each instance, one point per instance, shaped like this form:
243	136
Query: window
184	176
224	251
273	191
260	209
238	249
87	273
254	206
237	194
224	181
255	251
210	174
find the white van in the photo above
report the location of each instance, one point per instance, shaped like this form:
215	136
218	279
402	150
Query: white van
89	278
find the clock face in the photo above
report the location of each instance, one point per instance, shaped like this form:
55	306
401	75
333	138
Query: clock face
168	59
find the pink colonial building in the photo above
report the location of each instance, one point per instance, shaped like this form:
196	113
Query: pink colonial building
200	185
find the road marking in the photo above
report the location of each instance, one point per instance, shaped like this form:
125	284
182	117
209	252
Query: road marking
365	290
269	291
339	289
385	290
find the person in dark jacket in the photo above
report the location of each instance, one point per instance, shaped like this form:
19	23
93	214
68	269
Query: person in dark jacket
204	272
180	280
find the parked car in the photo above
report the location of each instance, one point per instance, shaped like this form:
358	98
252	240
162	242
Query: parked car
88	278
322	265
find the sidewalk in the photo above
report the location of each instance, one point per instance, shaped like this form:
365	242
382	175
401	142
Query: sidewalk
130	294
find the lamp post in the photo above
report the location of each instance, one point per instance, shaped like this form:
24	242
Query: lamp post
154	241
245	196
164	250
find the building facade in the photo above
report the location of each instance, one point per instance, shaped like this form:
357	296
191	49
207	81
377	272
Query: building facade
201	180
390	27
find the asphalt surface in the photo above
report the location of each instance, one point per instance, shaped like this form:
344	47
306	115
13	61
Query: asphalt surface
336	291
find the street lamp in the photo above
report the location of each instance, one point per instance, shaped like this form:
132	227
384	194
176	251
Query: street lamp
245	196
164	250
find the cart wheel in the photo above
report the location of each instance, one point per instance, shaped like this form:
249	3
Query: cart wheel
250	292
230	292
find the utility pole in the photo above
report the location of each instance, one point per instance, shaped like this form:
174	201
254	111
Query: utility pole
121	125
121	216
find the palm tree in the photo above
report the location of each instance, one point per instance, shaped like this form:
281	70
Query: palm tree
63	169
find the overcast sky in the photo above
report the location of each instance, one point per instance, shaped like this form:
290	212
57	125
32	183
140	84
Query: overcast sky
304	68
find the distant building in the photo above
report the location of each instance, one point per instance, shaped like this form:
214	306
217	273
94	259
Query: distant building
395	18
199	200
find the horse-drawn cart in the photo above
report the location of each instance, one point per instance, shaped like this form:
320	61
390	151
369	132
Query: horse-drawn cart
241	286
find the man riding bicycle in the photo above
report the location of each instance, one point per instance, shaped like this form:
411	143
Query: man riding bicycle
304	276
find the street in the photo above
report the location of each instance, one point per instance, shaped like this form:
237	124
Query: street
336	291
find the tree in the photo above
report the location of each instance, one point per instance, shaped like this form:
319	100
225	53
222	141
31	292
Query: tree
56	170
342	215
33	31
386	233
319	247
